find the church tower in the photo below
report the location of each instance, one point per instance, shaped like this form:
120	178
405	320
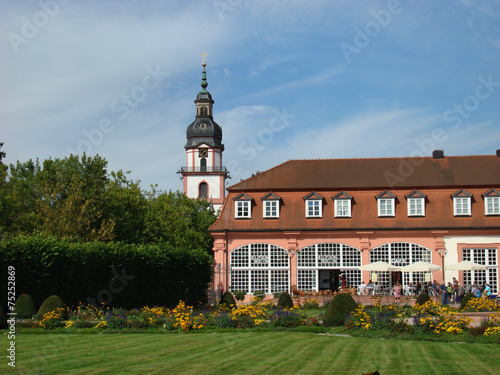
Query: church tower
204	176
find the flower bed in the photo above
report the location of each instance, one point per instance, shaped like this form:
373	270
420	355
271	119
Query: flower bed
431	319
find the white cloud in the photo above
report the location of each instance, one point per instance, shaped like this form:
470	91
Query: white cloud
263	57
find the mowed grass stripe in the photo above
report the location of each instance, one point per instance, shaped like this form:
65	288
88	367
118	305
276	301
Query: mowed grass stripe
246	352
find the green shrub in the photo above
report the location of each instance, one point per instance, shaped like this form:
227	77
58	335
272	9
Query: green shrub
277	294
3	318
258	295
341	305
52	303
25	307
227	300
422	299
240	295
466	299
285	301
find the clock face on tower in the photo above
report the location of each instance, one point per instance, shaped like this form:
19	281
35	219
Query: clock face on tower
203	152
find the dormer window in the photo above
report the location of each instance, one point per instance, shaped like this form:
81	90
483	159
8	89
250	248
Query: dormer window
416	203
492	202
342	204
271	206
314	205
386	203
462	203
242	207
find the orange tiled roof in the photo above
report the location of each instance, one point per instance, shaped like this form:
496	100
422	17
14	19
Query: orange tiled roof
363	179
383	173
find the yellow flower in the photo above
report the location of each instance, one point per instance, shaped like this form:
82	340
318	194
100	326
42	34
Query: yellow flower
101	325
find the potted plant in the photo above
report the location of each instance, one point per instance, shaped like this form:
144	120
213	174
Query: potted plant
413	301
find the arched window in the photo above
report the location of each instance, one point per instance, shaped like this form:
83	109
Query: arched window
203	191
259	266
203	165
400	254
317	259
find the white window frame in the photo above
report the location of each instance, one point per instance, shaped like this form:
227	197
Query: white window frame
341	203
242	209
458	206
495	205
268	208
418	203
316	203
327	255
393	208
259	266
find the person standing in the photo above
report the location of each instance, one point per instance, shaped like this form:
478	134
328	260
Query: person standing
435	288
444	294
473	289
478	292
434	291
397	292
455	289
461	291
487	291
449	291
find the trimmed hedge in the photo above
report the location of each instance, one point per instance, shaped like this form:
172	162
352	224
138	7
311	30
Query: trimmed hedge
466	299
116	274
3	318
25	307
422	299
240	295
52	304
341	305
227	300
285	301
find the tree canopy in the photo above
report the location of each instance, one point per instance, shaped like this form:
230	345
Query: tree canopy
77	199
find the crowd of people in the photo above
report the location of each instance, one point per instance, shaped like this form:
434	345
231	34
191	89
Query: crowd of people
451	292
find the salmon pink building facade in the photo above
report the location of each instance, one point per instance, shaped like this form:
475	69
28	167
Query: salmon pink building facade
301	224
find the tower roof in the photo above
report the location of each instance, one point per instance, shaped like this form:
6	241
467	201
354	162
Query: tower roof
204	129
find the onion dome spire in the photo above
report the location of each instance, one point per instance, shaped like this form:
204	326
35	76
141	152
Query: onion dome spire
204	82
204	130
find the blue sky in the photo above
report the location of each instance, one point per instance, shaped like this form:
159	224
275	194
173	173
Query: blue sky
290	80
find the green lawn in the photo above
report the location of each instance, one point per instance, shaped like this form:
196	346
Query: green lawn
244	353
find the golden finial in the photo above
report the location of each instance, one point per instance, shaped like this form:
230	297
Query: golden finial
204	54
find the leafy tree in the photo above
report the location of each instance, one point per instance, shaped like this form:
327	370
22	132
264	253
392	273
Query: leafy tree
22	193
3	167
128	206
63	197
4	207
179	221
77	199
